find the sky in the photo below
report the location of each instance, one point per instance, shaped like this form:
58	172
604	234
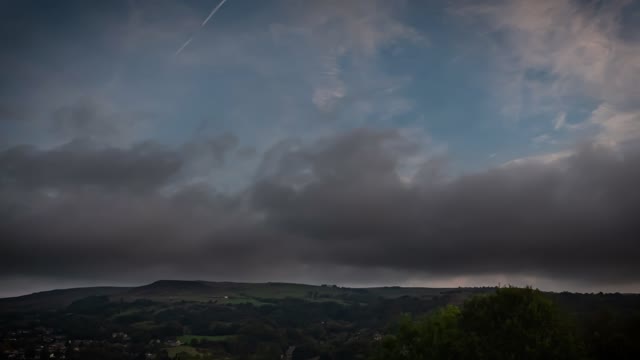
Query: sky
350	142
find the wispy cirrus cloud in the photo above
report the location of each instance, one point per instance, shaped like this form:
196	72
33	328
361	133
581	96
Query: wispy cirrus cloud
552	57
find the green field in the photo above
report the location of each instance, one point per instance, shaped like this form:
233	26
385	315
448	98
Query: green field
145	325
173	351
186	339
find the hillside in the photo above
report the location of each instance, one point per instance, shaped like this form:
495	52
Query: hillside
221	293
55	299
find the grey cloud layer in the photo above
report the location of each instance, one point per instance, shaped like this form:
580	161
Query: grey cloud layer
84	163
339	202
79	164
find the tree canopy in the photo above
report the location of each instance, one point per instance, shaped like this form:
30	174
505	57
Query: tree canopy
512	323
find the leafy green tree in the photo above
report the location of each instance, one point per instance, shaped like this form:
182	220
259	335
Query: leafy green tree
512	323
517	323
437	336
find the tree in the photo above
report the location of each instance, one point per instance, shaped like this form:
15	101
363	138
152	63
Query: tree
517	323
512	323
437	336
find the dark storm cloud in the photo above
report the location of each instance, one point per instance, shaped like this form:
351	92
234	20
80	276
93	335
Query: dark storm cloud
341	202
78	164
83	163
122	233
572	218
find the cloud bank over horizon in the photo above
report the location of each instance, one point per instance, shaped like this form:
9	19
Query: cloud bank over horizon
352	142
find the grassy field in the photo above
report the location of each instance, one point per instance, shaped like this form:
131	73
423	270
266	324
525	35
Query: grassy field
186	339
173	351
233	293
145	325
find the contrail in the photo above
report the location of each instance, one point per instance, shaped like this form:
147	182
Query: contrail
183	46
215	9
213	12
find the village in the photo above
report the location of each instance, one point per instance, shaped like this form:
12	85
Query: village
46	343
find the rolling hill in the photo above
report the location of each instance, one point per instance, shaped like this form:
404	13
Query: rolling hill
218	292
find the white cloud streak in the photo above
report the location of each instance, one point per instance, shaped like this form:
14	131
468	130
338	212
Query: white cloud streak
213	12
183	46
